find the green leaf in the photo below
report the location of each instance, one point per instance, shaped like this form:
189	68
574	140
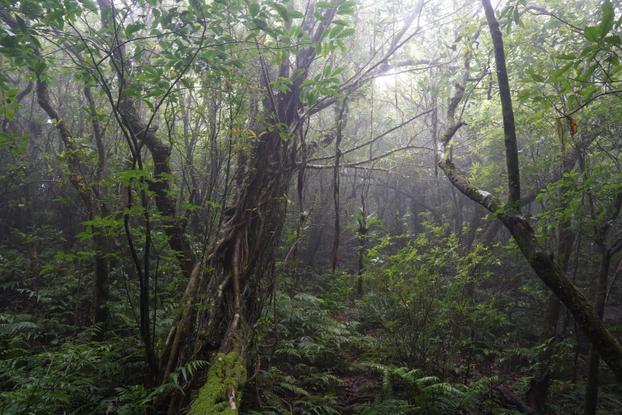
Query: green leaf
614	40
322	5
253	9
535	76
89	5
588	72
281	10
557	75
319	16
14	143
133	28
187	83
608	17
346	8
517	17
592	33
297	73
590	91
347	32
260	23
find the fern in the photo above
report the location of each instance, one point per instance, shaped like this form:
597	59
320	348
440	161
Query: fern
59	381
391	406
292	388
188	370
17	325
428	394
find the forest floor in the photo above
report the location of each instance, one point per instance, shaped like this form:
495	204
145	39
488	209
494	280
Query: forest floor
328	361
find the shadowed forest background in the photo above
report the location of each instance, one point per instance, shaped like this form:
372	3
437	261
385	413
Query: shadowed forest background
310	207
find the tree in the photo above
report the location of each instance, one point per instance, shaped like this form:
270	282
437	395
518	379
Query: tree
542	263
88	189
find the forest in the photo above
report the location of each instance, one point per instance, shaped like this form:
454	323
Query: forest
311	207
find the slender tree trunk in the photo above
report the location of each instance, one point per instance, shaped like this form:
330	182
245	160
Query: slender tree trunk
435	132
542	263
89	194
319	230
600	293
362	237
138	131
339	119
337	220
564	249
509	129
101	294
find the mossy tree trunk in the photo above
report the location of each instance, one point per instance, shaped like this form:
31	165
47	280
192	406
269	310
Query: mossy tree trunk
236	278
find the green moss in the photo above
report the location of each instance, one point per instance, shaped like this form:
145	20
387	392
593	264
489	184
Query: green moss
226	371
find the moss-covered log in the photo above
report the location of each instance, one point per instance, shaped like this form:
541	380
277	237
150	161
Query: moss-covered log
220	395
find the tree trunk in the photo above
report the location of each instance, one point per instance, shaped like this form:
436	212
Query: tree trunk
509	129
89	193
362	237
591	387
339	120
564	249
240	278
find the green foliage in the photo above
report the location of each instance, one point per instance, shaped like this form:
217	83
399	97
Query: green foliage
306	350
425	295
71	378
205	76
598	33
566	198
313	355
